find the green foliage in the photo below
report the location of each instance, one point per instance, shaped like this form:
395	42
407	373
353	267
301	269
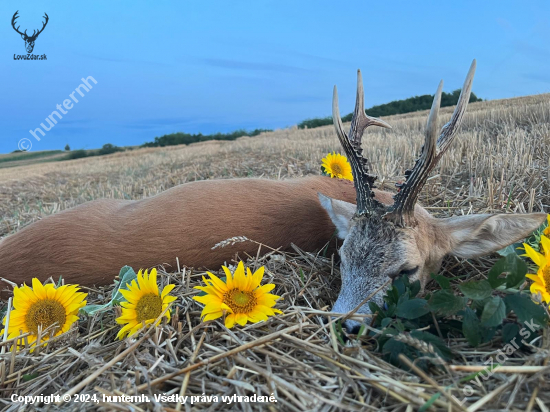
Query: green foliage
106	149
412	104
126	276
186	138
417	326
23	155
67	148
109	148
77	154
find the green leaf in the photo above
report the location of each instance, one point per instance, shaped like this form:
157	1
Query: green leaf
471	327
400	285
513	266
415	288
392	296
30	376
430	402
476	290
509	332
518	270
494	312
511	250
525	309
412	309
446	303
374	308
126	275
442	281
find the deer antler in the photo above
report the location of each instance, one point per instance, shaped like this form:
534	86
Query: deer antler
15	16
402	211
364	182
43	25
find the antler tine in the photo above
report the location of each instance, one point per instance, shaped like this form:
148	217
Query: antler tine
43	24
402	211
448	132
364	182
360	121
15	16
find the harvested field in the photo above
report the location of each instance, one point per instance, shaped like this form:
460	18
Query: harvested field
499	162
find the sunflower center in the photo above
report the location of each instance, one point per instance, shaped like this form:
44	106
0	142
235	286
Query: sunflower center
336	168
149	307
45	313
546	276
240	301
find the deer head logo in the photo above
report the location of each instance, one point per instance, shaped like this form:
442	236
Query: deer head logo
29	40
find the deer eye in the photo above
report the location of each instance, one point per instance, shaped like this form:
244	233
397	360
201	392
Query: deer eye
408	272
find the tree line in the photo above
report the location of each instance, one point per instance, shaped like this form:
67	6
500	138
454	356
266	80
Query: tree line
412	104
187	138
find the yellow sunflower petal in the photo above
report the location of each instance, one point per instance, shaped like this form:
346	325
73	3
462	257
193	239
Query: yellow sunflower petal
228	278
207	299
535	278
167	289
223	306
230	321
257	278
257	316
210	290
38	289
535	256
239	278
210	309
241	318
153	286
545	242
217	283
265	289
212	316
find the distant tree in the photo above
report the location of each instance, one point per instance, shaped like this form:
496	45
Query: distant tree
186	138
67	148
77	154
109	148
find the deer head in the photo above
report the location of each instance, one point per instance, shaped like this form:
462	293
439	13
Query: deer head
29	40
383	241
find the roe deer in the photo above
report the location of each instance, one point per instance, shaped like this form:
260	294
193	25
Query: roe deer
384	236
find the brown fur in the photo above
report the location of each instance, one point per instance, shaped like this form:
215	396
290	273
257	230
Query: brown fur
90	243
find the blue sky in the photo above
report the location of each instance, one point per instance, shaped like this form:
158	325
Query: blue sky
210	66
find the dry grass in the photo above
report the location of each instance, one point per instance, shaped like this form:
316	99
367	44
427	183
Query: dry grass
499	162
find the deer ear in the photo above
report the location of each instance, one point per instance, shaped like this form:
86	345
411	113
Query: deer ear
478	235
340	213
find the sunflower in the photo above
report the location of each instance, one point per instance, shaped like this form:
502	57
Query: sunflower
542	278
240	296
143	303
41	307
338	166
